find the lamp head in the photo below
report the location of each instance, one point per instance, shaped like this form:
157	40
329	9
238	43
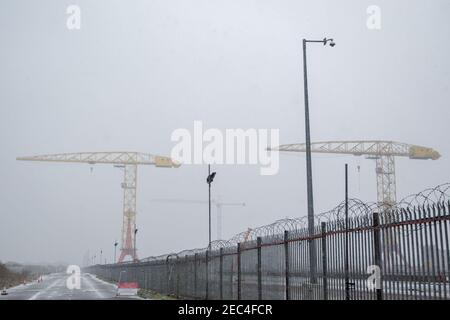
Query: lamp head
330	41
210	178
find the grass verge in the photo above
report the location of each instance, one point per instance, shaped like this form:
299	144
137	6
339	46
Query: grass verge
149	294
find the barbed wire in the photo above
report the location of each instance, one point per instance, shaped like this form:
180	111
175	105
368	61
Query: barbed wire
427	197
358	210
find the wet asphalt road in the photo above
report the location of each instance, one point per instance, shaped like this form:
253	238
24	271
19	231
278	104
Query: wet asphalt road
53	287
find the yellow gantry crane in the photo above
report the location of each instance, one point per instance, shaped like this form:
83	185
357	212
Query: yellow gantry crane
129	161
383	152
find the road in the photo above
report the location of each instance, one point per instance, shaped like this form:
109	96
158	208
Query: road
53	287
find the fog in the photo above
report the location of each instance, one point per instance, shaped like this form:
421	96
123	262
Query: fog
138	70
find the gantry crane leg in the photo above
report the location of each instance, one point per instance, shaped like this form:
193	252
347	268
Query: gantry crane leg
386	196
129	213
386	187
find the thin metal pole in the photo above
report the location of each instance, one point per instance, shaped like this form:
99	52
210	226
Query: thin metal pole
221	274
258	245
239	270
209	208
178	277
167	275
447	243
415	253
209	232
286	265
145	278
428	269
324	260
377	249
195	275
135	235
441	238
207	278
309	186
406	256
435	254
347	283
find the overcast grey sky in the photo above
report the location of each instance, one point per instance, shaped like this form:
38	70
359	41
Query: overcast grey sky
137	70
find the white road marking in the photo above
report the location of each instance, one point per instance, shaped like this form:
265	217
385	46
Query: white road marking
34	297
55	292
97	292
102	281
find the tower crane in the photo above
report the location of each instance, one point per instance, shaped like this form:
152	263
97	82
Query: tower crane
217	202
383	152
129	161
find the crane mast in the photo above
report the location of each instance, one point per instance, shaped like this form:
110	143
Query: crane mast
129	212
129	162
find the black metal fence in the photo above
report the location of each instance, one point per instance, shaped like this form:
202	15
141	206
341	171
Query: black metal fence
397	253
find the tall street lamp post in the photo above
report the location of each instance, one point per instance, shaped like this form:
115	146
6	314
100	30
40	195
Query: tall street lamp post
115	246
309	186
135	232
209	180
346	266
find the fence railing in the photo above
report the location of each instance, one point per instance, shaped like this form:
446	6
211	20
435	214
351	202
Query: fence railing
409	247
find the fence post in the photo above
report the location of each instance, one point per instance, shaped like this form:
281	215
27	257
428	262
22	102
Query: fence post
207	280
258	245
324	261
221	274
150	279
195	275
239	270
168	274
145	277
286	262
186	278
177	267
377	250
